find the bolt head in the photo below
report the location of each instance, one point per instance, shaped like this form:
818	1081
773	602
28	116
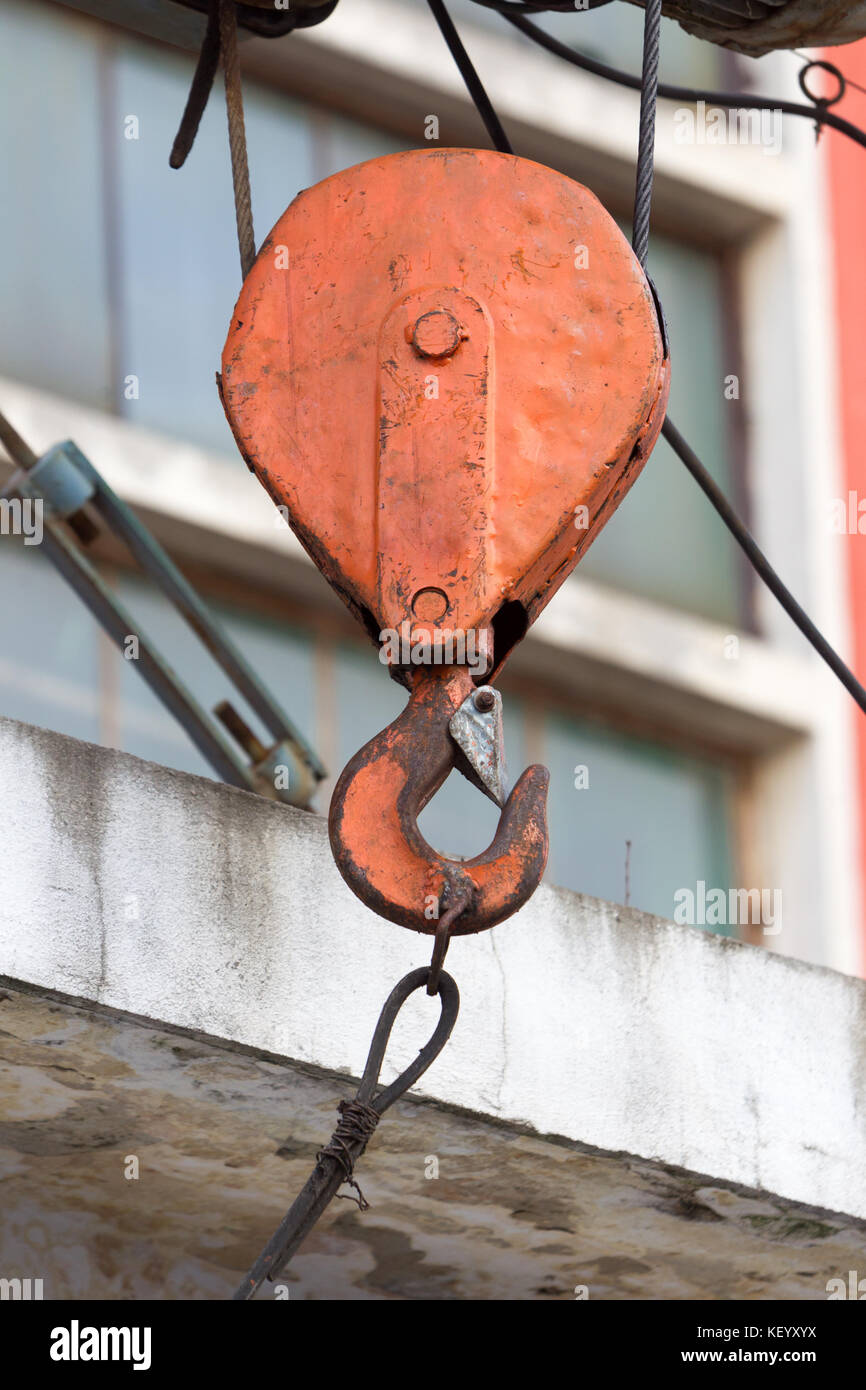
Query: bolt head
429	605
436	334
484	699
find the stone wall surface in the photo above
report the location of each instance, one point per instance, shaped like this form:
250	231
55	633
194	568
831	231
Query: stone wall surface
224	1140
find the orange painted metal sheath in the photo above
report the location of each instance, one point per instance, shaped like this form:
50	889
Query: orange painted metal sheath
447	365
437	361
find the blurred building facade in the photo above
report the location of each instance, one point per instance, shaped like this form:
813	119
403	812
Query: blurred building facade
693	739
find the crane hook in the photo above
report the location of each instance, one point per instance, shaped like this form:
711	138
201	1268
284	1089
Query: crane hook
385	383
373	828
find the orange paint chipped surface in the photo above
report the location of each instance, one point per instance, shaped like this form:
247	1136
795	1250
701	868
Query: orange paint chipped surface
437	358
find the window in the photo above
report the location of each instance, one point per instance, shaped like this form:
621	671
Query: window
50	664
55	327
630	809
665	542
178	259
280	654
125	305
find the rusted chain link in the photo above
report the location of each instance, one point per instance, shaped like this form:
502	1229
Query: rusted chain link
457	896
336	1161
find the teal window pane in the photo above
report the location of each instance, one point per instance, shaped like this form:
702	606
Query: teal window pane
367	699
281	656
665	542
671	806
614	34
178	250
178	253
49	647
55	329
342	142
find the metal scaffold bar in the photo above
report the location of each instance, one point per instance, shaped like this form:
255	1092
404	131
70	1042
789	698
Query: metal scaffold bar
64	482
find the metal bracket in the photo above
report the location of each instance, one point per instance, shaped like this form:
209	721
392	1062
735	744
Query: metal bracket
477	729
435	464
64	481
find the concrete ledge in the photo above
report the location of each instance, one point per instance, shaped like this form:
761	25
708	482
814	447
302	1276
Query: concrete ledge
194	904
460	1207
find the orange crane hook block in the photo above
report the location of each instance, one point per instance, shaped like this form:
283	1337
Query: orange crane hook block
447	365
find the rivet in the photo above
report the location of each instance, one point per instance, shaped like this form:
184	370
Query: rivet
436	334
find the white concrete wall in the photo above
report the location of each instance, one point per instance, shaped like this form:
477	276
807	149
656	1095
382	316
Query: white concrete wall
192	903
776	708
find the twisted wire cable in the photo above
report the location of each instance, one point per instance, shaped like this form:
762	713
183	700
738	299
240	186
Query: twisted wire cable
643	191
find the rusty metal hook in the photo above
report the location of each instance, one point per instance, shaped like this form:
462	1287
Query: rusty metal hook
373	827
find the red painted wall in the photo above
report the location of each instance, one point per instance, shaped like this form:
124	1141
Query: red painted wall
847	175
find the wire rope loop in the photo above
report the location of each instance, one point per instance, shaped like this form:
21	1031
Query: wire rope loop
821	102
449	997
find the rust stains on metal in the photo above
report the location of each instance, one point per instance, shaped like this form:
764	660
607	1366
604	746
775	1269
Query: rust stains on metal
485	453
373	821
449	383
